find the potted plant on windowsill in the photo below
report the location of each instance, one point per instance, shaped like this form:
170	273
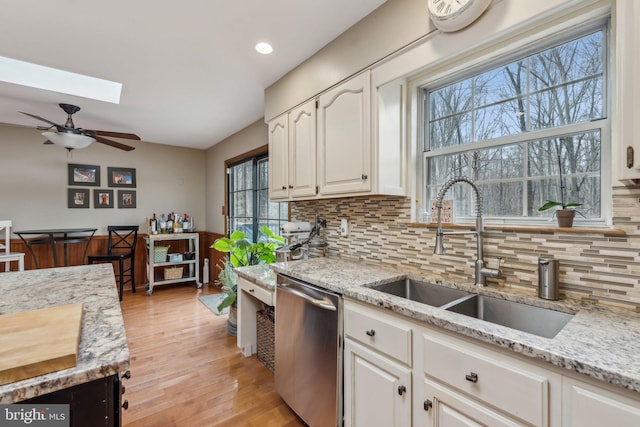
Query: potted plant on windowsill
566	213
242	252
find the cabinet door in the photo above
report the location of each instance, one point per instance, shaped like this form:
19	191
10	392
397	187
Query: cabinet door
377	391
586	406
302	150
625	126
344	141
443	407
278	158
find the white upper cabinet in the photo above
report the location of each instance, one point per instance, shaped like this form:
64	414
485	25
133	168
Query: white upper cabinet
626	108
344	138
302	151
292	154
279	157
333	146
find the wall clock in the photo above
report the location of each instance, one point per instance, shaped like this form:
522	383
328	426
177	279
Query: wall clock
453	15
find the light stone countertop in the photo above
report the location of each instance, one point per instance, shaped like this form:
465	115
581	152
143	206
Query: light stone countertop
600	342
102	350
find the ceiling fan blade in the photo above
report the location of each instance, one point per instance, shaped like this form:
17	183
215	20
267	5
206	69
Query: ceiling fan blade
114	134
44	120
113	144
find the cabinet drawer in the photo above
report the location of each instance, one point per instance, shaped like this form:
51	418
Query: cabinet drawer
379	331
503	384
256	291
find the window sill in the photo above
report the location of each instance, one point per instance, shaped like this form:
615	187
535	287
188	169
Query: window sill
612	232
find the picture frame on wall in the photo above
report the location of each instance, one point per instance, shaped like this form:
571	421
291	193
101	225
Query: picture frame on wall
102	198
121	177
78	198
84	175
126	199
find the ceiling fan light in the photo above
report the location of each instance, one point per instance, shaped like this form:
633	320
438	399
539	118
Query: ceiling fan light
70	141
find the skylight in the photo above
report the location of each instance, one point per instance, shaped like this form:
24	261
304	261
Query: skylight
41	77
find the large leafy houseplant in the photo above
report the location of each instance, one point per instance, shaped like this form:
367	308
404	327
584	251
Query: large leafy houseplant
242	252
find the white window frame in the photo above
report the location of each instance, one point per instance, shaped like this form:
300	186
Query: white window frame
518	46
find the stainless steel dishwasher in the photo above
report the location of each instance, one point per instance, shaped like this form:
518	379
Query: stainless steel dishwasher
308	369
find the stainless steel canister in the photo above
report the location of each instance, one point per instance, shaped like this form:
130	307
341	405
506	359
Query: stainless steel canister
548	284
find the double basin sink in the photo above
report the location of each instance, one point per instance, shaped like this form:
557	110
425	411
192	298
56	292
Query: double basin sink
523	317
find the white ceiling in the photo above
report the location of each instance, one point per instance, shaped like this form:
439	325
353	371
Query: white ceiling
190	74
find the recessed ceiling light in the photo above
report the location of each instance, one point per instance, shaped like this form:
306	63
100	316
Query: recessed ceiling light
37	76
264	48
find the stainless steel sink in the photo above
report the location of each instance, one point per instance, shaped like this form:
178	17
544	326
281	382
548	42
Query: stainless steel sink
527	318
424	292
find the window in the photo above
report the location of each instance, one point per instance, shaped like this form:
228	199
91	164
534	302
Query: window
515	127
248	199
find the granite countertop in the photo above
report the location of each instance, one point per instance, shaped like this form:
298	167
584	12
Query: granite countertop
600	342
261	275
102	350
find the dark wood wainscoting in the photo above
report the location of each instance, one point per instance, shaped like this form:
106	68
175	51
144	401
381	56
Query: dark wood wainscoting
98	245
216	258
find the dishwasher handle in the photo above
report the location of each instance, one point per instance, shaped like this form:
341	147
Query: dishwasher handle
322	303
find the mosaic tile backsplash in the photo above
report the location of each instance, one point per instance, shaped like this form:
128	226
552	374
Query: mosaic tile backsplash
603	269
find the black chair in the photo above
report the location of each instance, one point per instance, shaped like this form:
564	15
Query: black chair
121	247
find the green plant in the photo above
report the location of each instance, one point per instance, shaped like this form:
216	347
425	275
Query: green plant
228	281
243	252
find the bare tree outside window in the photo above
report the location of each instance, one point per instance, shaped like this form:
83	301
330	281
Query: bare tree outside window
530	115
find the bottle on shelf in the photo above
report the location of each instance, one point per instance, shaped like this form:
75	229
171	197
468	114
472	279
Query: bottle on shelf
154	225
163	225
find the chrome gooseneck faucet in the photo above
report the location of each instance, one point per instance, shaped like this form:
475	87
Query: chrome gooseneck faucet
481	272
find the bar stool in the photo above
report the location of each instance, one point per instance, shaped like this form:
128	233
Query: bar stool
121	247
5	248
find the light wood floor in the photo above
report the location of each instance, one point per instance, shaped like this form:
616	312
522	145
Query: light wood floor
186	371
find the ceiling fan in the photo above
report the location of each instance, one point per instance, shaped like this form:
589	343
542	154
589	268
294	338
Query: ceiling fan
71	137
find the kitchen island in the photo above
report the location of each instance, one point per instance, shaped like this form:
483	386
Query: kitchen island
103	353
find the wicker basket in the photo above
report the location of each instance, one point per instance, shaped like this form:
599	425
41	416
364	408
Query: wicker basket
173	273
160	253
266	338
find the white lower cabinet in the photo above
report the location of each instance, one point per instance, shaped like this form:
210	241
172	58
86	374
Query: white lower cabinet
400	372
445	407
586	405
377	368
482	384
377	389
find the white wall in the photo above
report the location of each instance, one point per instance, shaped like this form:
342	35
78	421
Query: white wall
393	25
33	182
249	138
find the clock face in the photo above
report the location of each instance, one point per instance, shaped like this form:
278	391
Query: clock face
444	8
453	15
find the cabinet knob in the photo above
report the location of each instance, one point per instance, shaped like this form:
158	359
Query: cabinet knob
123	390
251	290
371	332
291	187
402	390
127	374
284	187
364	177
428	405
472	377
125	405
